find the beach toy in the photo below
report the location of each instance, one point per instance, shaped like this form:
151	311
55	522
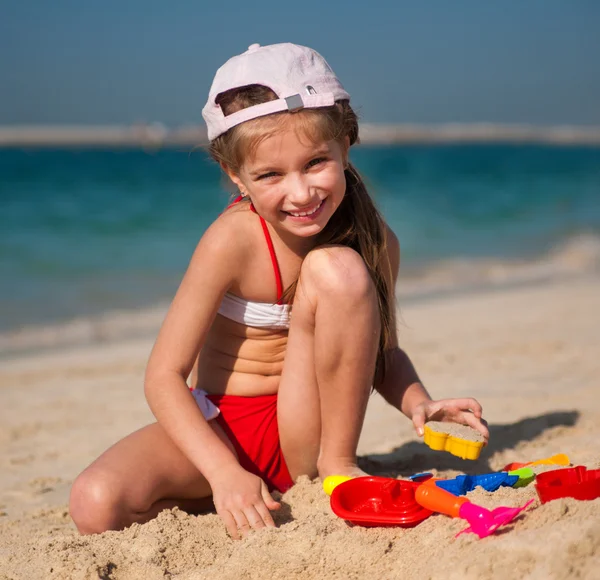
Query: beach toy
462	484
332	481
558	459
482	522
421	477
464	447
576	482
525	474
378	501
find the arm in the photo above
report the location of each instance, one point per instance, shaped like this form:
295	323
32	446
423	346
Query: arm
209	275
241	498
401	386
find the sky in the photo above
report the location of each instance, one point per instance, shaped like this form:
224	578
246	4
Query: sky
430	61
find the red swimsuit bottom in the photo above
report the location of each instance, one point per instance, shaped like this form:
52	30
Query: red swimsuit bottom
250	423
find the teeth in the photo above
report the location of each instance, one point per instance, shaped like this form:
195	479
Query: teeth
305	213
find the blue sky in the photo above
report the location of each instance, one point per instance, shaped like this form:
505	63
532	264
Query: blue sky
124	61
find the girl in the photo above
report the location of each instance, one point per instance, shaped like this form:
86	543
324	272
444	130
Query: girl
285	317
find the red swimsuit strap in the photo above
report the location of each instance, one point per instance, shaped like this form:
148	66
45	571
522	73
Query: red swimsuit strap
274	261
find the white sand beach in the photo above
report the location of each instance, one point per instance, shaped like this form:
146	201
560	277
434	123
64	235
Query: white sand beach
529	352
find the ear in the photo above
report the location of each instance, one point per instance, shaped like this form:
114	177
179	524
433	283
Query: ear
235	178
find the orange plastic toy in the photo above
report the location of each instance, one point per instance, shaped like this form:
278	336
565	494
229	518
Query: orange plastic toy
482	522
558	459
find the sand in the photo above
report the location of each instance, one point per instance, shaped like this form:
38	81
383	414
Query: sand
528	352
454	430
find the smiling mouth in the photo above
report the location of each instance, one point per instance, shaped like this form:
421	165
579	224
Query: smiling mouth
306	213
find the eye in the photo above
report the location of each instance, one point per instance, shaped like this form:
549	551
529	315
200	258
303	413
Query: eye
316	161
267	175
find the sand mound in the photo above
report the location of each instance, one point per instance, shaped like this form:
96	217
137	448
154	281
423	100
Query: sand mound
560	539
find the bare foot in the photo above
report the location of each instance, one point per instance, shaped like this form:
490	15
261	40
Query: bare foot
351	470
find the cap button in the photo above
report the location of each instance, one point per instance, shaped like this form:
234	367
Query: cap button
254	46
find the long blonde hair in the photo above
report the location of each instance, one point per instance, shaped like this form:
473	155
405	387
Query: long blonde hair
356	223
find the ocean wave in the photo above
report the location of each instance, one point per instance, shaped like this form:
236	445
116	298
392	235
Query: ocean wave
577	256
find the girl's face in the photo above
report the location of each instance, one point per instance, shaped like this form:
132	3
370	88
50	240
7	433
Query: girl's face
294	184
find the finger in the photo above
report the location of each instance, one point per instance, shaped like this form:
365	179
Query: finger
268	498
486	429
265	514
418	420
475	407
242	524
254	518
468	404
472	421
230	524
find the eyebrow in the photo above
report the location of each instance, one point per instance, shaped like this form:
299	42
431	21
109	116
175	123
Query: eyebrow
261	171
321	151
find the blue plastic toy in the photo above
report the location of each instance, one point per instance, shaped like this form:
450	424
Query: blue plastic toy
489	481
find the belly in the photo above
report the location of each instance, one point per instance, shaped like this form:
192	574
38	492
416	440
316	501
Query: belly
240	360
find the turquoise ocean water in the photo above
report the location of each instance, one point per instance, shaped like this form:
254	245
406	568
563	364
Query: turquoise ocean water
84	232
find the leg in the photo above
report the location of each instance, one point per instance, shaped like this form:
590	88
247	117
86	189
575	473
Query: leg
329	365
136	479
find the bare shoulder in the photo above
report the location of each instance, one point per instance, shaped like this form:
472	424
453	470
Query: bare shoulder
228	239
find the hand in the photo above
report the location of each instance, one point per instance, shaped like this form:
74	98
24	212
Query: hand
462	411
243	501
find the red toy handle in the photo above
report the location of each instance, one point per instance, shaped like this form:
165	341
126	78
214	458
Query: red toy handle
436	499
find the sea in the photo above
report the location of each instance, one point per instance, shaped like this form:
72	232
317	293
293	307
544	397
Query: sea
93	243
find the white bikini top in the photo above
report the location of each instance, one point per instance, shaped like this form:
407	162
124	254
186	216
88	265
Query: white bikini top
259	314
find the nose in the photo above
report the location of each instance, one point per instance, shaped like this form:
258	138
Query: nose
299	191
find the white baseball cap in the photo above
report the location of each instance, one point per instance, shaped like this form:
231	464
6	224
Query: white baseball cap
298	75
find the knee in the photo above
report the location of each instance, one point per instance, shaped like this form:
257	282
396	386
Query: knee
95	502
338	272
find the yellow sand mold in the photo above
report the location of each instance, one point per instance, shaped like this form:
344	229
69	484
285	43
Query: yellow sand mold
455	445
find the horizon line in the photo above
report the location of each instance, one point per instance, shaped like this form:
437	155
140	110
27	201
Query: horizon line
158	135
